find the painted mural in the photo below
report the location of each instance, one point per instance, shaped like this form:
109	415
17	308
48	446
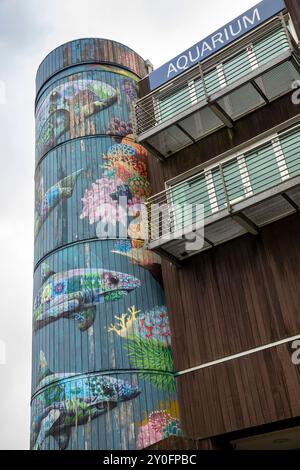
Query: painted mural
74	108
75	100
99	307
148	343
159	425
75	294
67	401
45	202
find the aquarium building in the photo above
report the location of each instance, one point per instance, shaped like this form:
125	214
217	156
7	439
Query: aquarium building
167	258
221	121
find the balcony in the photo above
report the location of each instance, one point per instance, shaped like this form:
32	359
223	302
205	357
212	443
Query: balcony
256	70
240	194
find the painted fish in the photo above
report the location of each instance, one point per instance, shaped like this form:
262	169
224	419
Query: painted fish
48	201
76	293
65	400
144	258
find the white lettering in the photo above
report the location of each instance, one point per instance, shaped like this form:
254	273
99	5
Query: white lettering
226	34
179	64
255	17
217	38
235	33
194	59
198	51
205	47
172	69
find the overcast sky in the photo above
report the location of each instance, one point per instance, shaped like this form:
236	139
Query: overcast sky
158	30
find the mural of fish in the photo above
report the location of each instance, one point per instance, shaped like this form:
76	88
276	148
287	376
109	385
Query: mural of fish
76	293
145	258
65	400
45	203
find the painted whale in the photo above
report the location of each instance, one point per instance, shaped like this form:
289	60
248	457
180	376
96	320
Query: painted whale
65	400
45	204
76	293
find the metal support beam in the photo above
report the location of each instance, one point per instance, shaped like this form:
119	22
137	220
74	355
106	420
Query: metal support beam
290	201
186	133
153	150
164	254
260	92
221	114
246	223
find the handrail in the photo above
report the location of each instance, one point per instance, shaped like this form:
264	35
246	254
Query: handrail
219	187
168	101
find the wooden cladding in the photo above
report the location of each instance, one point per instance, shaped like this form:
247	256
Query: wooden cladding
237	296
243	393
92	51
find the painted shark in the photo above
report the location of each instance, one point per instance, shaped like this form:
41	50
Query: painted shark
64	400
76	293
46	202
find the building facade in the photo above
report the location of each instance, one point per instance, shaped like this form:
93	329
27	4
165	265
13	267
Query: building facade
102	372
222	123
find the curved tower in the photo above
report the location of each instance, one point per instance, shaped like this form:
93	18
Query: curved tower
102	372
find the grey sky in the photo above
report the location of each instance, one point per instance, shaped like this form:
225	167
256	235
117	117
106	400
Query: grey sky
158	30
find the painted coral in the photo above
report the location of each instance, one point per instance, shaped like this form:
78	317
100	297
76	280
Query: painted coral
98	203
125	175
160	425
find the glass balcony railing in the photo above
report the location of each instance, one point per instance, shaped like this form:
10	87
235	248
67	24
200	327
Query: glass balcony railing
239	194
254	71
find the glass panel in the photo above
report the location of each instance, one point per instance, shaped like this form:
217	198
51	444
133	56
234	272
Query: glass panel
241	101
233	181
291	149
193	192
179	197
174	103
237	68
279	80
263	168
271	47
212	82
200	94
198	193
169	141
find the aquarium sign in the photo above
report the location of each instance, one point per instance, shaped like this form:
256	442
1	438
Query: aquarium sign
226	35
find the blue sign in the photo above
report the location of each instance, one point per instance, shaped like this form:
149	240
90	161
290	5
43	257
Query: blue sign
216	41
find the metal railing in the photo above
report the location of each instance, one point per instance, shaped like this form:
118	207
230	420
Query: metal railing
220	187
213	76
